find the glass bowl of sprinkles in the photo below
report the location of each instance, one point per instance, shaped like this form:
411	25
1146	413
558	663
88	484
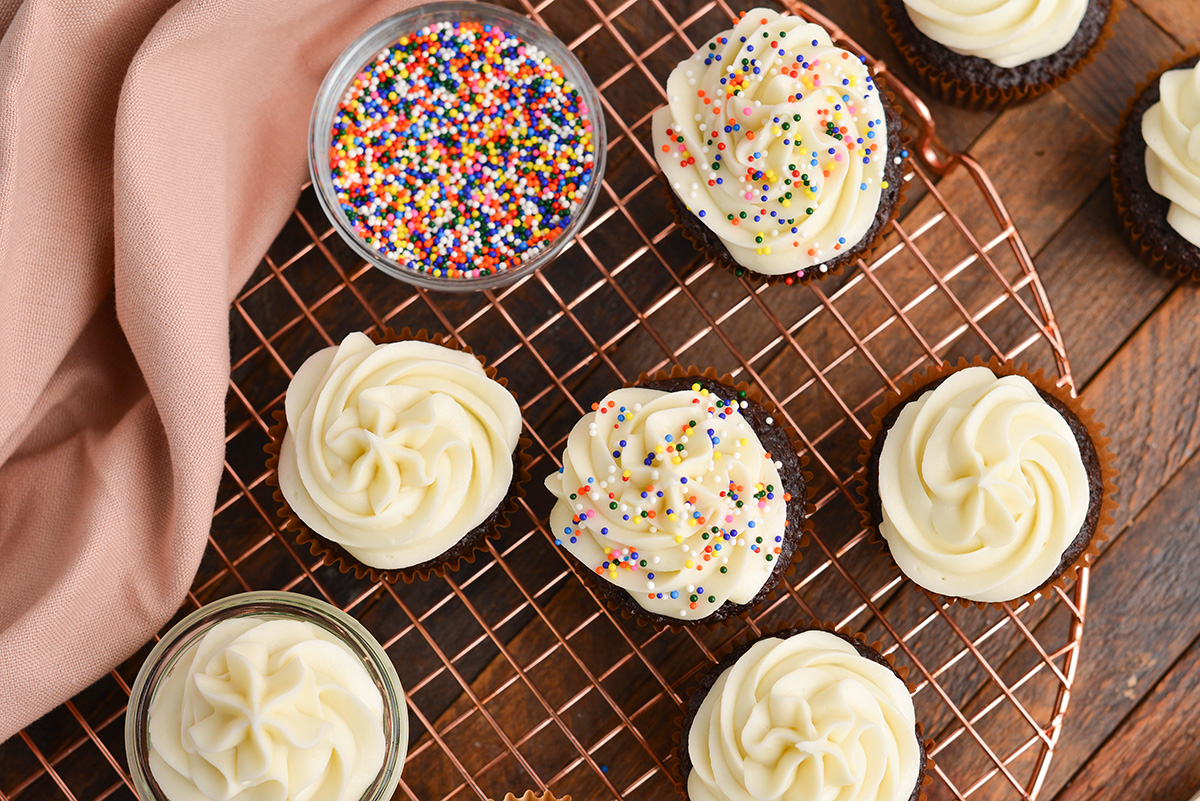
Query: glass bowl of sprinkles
457	146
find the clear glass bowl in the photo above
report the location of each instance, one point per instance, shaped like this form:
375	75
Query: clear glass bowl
383	35
268	605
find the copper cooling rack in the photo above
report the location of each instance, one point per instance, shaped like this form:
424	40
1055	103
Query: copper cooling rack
516	677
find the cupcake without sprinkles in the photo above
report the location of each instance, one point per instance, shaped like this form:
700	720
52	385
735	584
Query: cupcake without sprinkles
782	157
455	146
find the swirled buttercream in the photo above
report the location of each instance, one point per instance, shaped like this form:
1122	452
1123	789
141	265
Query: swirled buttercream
1007	33
266	710
776	140
671	496
1171	128
982	487
396	451
806	717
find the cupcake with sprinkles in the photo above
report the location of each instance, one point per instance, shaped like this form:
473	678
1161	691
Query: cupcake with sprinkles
783	157
681	497
462	149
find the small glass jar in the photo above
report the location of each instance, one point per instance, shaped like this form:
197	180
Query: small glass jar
268	606
383	35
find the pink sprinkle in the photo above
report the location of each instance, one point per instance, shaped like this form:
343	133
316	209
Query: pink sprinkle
837	157
746	111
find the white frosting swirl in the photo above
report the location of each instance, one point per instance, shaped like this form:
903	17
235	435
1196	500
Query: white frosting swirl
806	717
1007	33
982	487
670	496
1171	128
776	139
266	710
396	451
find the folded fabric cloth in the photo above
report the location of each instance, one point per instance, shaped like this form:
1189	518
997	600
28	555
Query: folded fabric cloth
149	152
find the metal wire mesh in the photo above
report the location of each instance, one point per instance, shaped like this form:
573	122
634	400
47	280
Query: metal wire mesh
516	677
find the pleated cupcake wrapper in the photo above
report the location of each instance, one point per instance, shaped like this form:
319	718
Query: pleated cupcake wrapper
953	90
721	256
910	389
623	603
1155	257
699	685
530	795
334	555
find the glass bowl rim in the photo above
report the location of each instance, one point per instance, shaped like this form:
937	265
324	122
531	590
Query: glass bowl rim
265	603
359	52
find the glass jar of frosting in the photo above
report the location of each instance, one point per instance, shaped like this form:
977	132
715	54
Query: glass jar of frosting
268	694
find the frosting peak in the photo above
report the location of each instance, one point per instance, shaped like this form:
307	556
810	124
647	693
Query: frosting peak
396	451
672	497
1007	33
1171	129
982	487
777	140
274	710
806	717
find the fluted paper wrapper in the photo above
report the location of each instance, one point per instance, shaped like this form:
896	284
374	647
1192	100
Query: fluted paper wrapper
958	92
530	795
466	549
1154	256
910	389
709	244
621	602
695	691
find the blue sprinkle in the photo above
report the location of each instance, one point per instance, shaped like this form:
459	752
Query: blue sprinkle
674	593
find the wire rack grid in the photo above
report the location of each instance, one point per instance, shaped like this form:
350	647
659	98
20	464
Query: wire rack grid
516	676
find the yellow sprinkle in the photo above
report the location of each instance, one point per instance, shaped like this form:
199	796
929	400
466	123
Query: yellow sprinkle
716	455
689	563
676	460
884	184
678	539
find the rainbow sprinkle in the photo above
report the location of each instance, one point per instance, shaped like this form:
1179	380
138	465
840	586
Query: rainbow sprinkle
461	151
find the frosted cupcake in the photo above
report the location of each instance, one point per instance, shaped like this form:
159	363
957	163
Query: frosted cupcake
985	54
1156	169
398	458
802	714
989	484
781	153
682	498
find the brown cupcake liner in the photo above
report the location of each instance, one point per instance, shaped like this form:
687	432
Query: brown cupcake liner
619	601
955	91
697	688
909	390
1155	257
474	542
708	244
530	795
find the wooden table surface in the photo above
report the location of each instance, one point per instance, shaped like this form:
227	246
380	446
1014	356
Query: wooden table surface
1133	726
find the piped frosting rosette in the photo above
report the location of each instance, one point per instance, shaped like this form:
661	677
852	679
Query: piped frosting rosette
266	709
777	141
1171	129
399	455
671	497
986	484
1007	33
806	713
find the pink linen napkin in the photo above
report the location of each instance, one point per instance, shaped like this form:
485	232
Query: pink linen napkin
149	152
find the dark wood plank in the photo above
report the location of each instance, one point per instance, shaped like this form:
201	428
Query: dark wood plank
1156	753
1178	17
1102	89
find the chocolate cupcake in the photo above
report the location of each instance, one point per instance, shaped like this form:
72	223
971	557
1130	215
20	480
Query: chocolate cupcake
682	498
787	168
1155	176
988	483
988	55
808	713
399	457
